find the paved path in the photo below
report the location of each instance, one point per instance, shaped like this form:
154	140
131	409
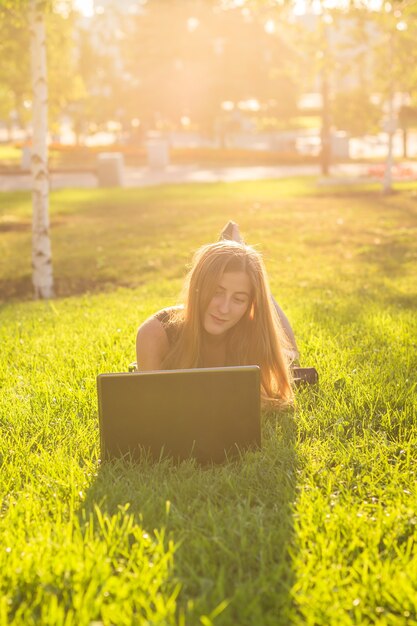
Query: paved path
177	174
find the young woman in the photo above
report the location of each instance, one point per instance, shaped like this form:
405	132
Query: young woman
228	318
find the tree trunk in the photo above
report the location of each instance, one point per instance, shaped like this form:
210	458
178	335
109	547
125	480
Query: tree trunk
405	142
326	150
387	185
387	182
42	276
325	132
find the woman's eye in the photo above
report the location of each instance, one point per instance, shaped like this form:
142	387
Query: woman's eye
240	300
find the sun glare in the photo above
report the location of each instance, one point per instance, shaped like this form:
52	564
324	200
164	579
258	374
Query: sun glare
300	7
85	7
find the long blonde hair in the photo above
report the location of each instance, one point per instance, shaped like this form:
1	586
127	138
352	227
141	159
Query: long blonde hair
257	339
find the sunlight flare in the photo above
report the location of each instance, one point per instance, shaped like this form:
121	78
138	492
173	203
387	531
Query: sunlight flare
85	7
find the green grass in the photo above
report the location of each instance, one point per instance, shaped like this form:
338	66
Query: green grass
317	528
10	155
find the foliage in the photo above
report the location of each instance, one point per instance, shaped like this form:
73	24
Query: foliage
14	68
382	58
97	62
65	84
353	111
159	65
6	102
163	67
407	117
395	48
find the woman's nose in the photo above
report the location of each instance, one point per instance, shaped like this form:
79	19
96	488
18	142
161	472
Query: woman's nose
224	305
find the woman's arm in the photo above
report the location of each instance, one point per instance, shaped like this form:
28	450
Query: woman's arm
152	345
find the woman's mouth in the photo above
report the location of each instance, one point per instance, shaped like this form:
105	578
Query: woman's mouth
218	320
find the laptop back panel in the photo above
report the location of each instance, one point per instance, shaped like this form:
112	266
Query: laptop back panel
209	414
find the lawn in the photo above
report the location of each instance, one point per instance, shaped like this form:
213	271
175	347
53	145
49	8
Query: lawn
317	528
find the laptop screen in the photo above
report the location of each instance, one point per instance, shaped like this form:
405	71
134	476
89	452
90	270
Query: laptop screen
211	414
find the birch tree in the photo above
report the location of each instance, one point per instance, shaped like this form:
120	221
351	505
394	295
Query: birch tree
399	27
30	15
393	55
42	276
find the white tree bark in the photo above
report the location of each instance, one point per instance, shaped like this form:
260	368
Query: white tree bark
42	276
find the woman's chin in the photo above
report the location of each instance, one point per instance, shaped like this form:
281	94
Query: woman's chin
214	330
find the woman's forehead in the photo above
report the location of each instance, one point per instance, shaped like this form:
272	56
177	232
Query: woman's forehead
235	281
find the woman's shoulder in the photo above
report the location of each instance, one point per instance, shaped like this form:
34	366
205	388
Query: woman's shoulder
169	316
171	320
156	336
152	344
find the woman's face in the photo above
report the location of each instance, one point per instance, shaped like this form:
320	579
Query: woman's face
229	303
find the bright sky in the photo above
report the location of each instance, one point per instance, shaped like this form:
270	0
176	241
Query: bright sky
317	6
86	7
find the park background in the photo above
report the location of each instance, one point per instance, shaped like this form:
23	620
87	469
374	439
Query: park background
314	105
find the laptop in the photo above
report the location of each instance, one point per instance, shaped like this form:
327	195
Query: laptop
210	414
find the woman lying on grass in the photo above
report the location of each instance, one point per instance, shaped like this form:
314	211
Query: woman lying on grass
228	318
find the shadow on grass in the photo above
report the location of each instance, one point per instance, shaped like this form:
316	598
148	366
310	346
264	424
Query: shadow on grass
403	301
389	257
232	524
21	289
102	241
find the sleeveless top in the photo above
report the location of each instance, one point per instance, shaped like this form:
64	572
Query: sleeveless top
171	326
